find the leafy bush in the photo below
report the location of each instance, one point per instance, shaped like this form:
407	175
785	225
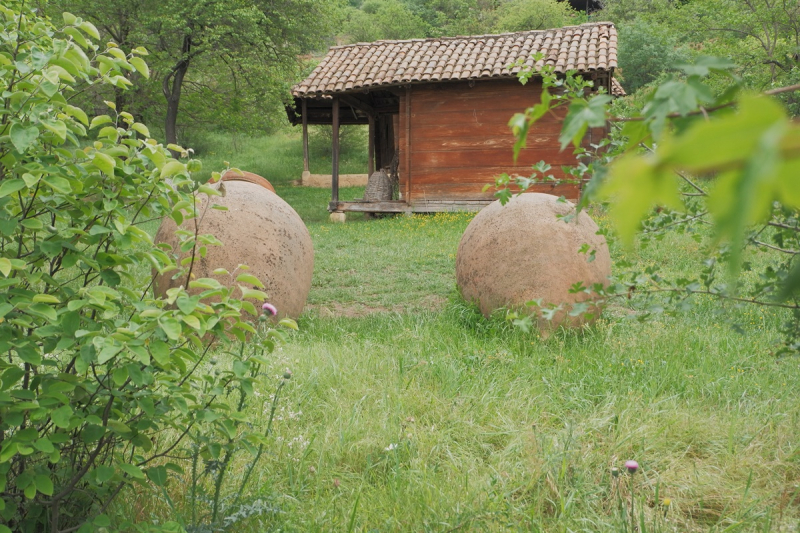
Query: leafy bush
523	15
99	379
646	51
383	19
691	157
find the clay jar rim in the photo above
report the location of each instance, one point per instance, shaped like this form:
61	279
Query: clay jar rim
248	177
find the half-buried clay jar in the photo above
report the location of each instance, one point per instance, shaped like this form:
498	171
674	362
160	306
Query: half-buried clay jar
259	230
249	177
523	251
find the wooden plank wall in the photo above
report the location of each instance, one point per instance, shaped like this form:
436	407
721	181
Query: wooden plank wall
460	140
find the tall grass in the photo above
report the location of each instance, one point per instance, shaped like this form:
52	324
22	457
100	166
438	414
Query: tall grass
409	411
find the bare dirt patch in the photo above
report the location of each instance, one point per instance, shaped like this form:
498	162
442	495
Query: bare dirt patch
431	302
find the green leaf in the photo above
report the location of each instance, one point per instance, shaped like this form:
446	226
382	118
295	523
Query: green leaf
32	223
583	115
44	311
44	485
171	327
160	352
158	475
289	323
704	65
140	66
141	128
120	376
11	186
78	113
711	145
251	279
133	471
61	416
104	473
8	451
172	168
92	433
5	266
77	37
252	294
46	298
58	184
187	304
192	321
44	445
205	283
634	185
56	126
104	162
89	29
98	120
21	137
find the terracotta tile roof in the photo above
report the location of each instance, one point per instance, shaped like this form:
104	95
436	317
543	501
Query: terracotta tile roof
616	88
585	48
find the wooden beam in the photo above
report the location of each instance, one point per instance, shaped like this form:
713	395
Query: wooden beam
408	145
358	104
371	146
335	152
370	207
304	111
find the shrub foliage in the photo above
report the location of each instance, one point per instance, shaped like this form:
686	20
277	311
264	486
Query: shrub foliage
99	379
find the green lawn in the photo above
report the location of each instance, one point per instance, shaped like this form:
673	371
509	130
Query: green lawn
408	411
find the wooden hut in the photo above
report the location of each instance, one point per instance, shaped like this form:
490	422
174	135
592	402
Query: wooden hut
438	110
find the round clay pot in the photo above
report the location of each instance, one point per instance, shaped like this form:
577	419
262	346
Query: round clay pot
259	230
523	251
248	177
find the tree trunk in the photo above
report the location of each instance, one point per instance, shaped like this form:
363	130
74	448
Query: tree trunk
171	86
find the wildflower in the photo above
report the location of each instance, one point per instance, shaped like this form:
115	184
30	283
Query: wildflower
287	374
269	308
391	447
615	471
632	466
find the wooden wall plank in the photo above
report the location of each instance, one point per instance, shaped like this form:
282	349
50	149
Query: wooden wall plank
484	114
484	130
461	140
457	191
477	176
401	144
536	141
490	158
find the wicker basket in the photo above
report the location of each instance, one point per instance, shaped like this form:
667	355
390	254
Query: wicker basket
379	187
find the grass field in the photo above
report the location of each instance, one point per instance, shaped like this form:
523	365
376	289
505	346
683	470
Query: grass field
408	411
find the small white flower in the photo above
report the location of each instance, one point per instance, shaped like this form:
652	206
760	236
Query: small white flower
391	447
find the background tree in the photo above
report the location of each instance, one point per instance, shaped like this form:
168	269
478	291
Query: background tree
232	60
523	15
384	19
646	50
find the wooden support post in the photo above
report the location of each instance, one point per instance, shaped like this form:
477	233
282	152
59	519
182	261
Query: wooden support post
304	111
371	146
408	145
335	154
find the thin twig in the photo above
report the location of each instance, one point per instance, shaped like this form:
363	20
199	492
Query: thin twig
773	247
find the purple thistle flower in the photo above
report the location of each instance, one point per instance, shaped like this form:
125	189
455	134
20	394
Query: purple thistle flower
632	466
269	308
